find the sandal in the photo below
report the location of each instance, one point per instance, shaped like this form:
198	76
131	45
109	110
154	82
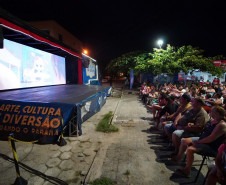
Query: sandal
181	173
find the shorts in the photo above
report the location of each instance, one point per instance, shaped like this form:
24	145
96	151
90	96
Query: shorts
178	133
205	149
194	139
170	127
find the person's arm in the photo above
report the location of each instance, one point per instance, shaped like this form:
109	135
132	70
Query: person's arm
191	127
218	102
176	119
218	131
198	126
179	110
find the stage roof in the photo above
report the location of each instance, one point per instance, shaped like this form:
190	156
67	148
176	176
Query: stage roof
19	31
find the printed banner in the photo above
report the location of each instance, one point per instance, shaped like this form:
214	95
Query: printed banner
90	72
181	77
32	121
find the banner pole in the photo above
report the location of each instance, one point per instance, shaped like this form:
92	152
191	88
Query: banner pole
61	141
19	180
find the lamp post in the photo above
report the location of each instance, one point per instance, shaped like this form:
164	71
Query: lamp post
160	42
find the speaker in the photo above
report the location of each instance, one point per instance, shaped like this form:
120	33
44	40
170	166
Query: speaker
1	37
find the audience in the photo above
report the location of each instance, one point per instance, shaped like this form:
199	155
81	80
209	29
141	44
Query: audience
187	124
207	143
184	107
169	108
191	123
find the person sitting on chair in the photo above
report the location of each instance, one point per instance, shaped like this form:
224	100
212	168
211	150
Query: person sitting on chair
218	173
169	108
207	144
172	120
191	124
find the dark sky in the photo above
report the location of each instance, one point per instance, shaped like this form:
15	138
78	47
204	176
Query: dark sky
109	28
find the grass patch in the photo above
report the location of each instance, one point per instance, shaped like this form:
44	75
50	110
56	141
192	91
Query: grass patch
127	172
78	173
104	124
102	181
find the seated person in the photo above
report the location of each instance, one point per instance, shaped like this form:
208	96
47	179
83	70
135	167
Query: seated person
207	144
216	100
170	125
145	93
210	90
152	96
218	173
142	88
217	89
217	115
169	108
191	123
159	106
224	90
207	105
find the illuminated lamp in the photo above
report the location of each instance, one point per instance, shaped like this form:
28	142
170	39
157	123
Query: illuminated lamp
85	51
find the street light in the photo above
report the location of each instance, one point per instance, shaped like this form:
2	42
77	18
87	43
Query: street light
160	42
85	51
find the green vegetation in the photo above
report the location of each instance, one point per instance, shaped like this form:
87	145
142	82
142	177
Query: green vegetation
170	60
127	172
102	181
104	124
78	173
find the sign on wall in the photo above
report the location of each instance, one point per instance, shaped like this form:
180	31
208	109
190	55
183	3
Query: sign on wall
89	72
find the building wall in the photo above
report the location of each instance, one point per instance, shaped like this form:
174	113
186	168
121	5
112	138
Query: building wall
58	32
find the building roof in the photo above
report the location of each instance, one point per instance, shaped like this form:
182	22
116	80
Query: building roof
17	30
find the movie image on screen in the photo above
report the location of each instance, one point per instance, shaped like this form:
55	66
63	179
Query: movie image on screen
23	66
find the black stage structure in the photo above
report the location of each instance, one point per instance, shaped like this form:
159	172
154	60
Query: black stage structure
83	100
46	111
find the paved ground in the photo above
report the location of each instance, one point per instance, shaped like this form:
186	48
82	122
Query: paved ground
131	156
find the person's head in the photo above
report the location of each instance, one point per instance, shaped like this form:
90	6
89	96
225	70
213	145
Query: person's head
173	97
185	99
217	95
208	96
217	113
168	100
197	103
216	86
180	87
162	95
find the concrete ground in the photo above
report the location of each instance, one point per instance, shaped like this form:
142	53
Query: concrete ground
131	156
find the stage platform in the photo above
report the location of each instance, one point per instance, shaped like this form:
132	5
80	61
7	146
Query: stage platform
40	108
71	94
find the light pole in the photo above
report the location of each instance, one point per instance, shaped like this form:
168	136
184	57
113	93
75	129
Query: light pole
160	42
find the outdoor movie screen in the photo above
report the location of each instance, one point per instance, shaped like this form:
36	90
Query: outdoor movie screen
23	66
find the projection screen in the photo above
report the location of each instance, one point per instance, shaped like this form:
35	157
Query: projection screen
23	66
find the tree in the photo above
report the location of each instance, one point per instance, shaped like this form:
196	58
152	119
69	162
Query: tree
124	64
170	61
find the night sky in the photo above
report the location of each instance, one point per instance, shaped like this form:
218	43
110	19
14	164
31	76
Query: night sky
110	28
